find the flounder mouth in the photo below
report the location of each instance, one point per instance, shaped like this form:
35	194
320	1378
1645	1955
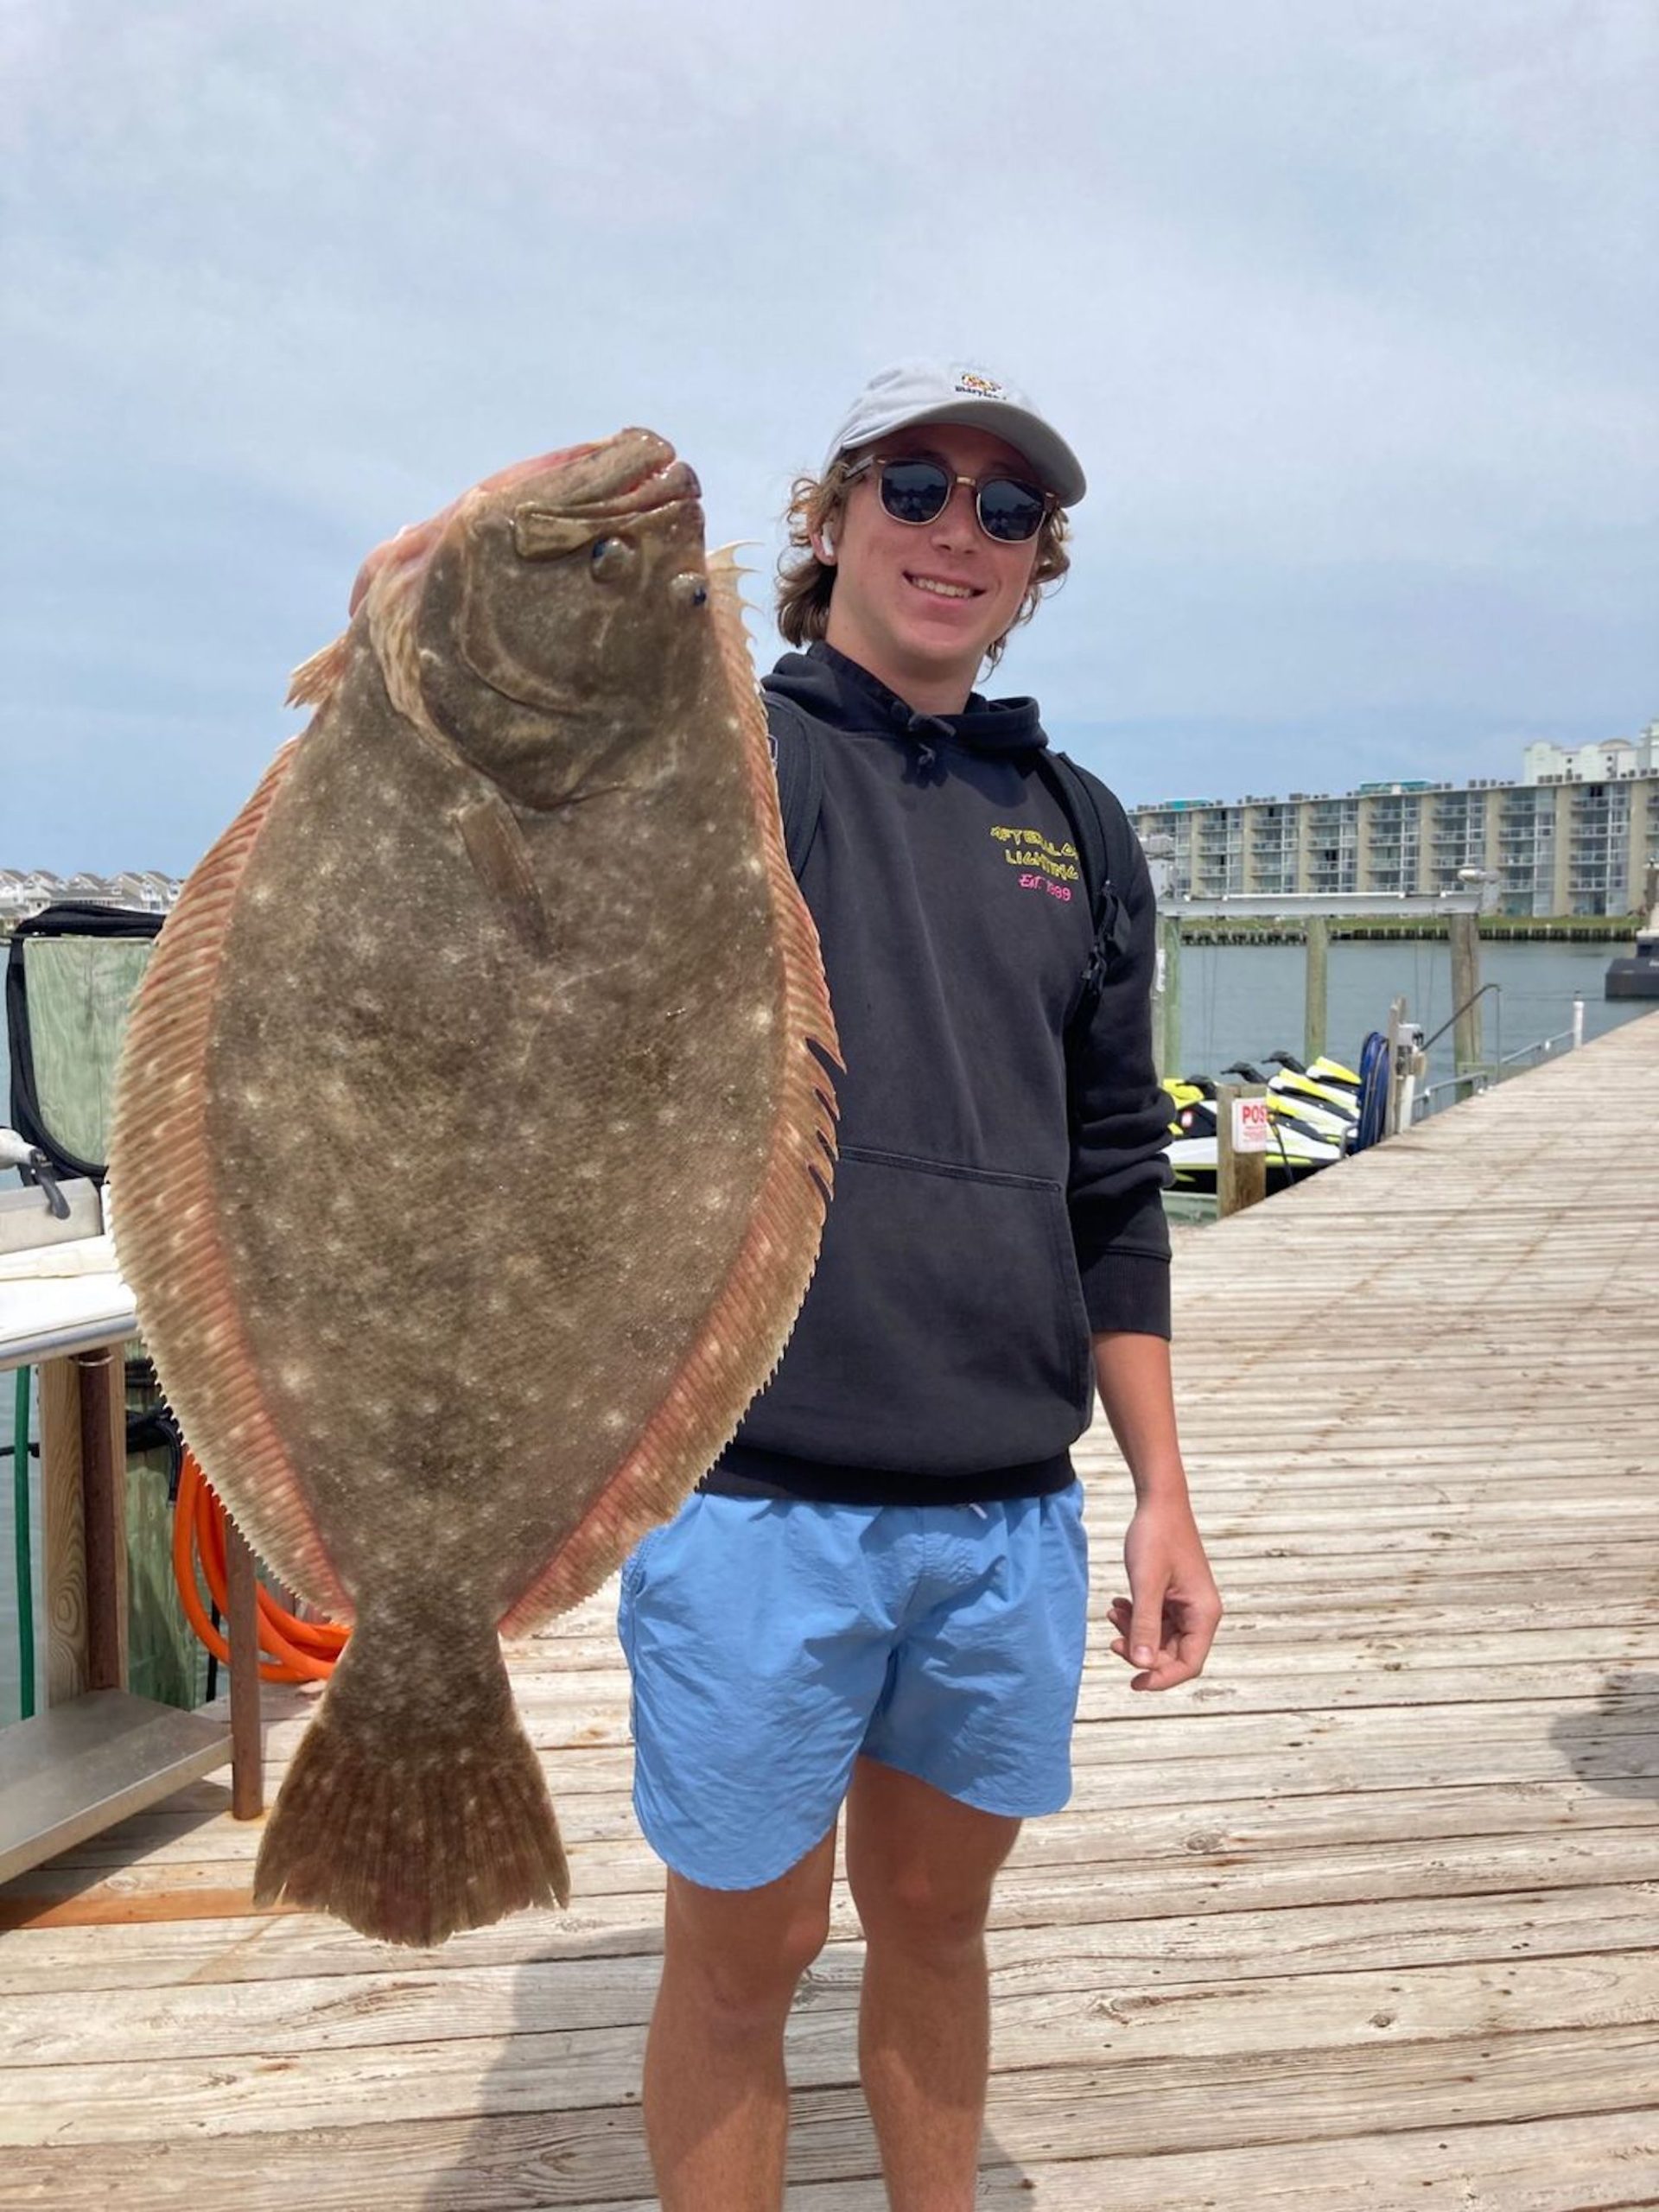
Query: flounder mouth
632	474
634	478
663	488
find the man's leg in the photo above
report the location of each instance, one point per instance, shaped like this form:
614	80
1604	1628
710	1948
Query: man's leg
716	2101
920	1866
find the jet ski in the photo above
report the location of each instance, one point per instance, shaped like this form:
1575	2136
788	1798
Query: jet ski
1298	1147
1323	1073
1325	1093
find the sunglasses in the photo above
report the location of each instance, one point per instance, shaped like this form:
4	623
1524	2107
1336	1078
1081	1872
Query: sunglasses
918	491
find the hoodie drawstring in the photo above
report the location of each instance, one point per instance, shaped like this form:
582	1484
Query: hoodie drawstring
920	729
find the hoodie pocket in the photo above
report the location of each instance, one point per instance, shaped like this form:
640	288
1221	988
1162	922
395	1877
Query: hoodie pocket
943	1330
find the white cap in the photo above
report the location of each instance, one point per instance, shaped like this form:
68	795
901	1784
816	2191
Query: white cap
957	392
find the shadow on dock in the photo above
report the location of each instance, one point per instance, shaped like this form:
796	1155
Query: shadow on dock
552	2134
1615	1747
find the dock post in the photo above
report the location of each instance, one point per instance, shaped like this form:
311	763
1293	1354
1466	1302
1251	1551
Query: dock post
1391	1119
1240	1177
1315	994
242	1624
1465	989
1166	998
1578	1023
82	1418
103	1489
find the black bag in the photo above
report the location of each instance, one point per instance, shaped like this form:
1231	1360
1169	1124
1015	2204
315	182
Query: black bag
30	1114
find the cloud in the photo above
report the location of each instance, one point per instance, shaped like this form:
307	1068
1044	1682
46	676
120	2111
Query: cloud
1340	306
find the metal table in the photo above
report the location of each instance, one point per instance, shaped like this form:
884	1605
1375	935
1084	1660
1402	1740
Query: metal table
96	1753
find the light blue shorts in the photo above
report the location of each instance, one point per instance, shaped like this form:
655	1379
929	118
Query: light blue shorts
772	1641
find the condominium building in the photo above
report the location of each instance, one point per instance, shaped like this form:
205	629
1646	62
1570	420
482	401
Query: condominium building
1555	844
1608	757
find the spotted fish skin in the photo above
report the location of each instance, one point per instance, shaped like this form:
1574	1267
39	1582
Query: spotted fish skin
472	1138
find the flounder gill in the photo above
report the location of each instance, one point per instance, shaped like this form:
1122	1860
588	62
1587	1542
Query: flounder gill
472	1138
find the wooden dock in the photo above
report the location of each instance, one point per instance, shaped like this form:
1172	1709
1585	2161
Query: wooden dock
1368	1917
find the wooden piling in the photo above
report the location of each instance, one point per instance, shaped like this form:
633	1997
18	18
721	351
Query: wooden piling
1464	933
1316	994
1240	1177
1391	1119
1166	999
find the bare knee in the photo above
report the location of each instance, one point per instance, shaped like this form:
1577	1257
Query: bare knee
920	1867
742	1954
913	1911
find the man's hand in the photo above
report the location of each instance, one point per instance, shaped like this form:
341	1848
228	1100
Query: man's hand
1167	1631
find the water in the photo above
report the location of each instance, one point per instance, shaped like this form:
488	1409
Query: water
1237	1003
1241	1001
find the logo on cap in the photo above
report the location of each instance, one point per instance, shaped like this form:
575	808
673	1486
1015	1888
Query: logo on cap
978	387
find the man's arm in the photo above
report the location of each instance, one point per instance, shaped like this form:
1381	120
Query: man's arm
1120	1137
1167	1628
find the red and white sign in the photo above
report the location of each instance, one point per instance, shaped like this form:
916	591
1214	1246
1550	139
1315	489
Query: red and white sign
1252	1130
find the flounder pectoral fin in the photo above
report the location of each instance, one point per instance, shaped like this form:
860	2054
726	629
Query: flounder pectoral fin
495	846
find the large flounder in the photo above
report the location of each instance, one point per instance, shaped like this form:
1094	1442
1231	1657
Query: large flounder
470	1156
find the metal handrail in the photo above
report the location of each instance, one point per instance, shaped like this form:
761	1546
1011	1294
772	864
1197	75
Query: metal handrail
1472	1079
1544	1045
1430	1043
1491	1072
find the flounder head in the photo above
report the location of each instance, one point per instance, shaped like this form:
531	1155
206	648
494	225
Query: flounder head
552	626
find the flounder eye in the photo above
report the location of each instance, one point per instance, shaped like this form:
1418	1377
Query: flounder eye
690	590
611	559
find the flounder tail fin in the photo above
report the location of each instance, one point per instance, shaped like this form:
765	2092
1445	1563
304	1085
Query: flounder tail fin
413	1809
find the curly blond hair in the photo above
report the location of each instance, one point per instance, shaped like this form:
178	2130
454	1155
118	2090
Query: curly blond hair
806	585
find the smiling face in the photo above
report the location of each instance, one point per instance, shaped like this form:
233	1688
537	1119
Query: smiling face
918	605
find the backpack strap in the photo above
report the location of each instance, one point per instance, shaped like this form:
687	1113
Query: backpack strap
1106	859
799	766
1104	839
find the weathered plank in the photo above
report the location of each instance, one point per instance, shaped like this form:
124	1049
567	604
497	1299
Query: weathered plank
434	1997
530	2161
529	2068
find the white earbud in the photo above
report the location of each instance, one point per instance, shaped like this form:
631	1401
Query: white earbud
827	544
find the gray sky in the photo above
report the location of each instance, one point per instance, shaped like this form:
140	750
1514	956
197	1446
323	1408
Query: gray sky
1348	306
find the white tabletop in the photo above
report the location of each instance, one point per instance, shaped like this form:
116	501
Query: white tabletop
63	1313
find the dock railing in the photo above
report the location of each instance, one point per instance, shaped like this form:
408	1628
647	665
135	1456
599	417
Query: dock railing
1472	1080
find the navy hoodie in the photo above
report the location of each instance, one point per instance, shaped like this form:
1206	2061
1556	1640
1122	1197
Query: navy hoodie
998	1196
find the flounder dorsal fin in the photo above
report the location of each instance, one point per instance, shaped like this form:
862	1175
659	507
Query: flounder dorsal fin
385	581
315	682
169	1233
724	571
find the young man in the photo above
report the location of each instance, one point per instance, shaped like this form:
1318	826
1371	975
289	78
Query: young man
878	1598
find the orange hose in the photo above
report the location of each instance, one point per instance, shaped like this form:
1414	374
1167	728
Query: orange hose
315	1639
299	1651
290	1664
